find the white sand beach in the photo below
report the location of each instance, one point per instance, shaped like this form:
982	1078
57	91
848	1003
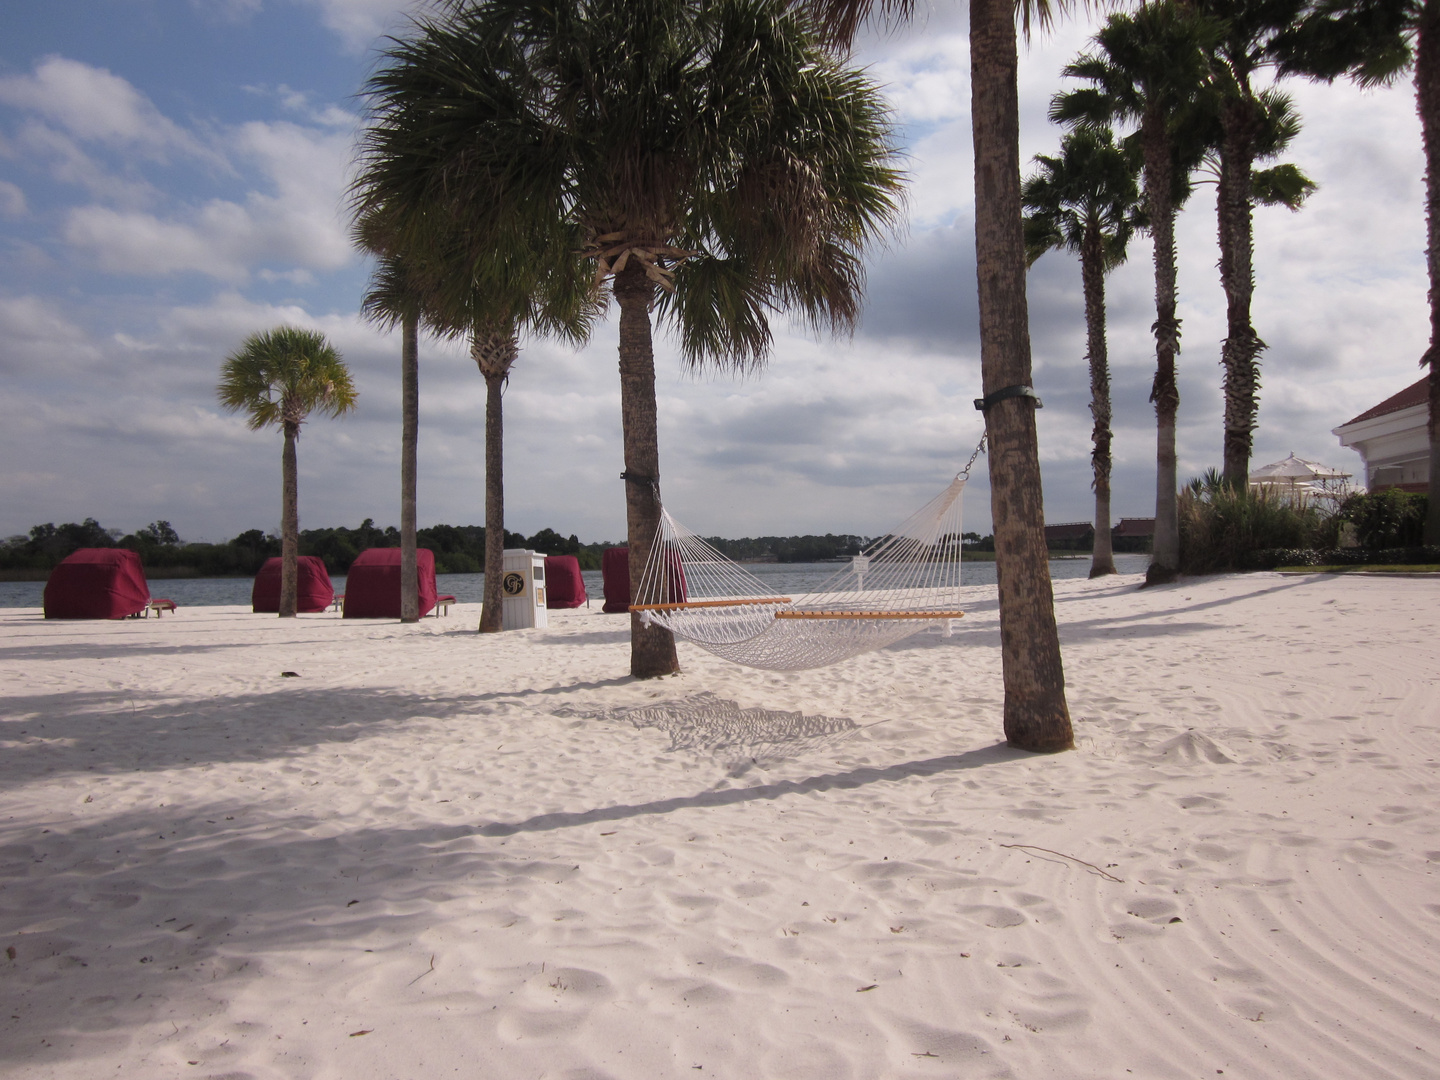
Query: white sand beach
437	854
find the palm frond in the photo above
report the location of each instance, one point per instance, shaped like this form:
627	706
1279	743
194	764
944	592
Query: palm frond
284	375
1282	185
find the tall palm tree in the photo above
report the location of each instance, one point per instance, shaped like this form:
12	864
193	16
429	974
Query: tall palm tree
1270	125
1037	716
1149	68
1253	124
494	349
710	158
393	298
279	377
1375	42
1087	201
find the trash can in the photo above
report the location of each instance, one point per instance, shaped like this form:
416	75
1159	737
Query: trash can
523	590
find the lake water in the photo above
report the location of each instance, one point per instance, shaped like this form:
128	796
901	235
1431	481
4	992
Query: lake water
785	578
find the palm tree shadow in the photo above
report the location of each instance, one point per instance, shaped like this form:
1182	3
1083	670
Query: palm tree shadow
998	754
80	918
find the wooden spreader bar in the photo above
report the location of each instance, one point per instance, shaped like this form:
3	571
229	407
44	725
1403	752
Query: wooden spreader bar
711	603
869	614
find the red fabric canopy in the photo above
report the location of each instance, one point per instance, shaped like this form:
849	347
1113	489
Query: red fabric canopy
313	591
97	583
564	584
372	588
615	568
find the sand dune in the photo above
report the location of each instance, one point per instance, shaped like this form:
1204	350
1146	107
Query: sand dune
434	853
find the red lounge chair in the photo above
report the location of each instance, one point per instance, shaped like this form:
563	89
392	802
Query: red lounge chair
615	571
565	585
372	588
97	583
313	590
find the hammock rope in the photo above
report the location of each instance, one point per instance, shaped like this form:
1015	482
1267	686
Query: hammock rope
905	582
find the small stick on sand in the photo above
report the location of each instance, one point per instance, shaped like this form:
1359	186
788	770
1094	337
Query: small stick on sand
422	974
1072	858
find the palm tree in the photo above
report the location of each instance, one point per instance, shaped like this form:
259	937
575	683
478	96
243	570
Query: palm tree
394	298
494	350
279	377
1270	124
1087	201
1375	42
1251	125
1037	716
1149	69
711	159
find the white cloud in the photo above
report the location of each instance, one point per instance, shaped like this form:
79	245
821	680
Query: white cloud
36	339
93	104
70	164
12	200
301	102
360	23
299	226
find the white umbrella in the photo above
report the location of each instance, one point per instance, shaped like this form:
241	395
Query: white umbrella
1295	471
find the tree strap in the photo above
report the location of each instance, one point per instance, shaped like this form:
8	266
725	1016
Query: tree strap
652	482
983	404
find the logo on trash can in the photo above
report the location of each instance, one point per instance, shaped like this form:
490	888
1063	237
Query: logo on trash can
513	584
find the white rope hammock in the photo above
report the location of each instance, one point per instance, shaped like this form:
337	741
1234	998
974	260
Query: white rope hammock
906	582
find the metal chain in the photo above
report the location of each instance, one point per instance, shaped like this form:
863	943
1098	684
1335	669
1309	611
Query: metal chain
979	449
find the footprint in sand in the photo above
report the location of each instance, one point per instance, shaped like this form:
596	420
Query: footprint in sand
1198	802
994	916
747	974
1153	909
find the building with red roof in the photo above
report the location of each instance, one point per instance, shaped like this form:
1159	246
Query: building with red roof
1392	439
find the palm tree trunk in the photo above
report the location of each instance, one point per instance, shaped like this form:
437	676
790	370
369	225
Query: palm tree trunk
1165	549
289	522
492	614
652	648
1092	277
494	353
1427	91
1241	351
1036	715
409	436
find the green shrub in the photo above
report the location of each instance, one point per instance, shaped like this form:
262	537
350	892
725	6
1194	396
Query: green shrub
1386	519
1221	528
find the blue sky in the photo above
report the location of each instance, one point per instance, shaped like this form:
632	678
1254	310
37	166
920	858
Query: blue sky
171	179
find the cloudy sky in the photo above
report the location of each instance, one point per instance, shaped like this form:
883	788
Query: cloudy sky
171	179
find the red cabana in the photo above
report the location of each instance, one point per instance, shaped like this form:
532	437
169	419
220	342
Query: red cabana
372	588
564	584
615	572
313	591
97	583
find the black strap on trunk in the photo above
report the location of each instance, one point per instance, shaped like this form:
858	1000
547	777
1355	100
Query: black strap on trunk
652	482
983	404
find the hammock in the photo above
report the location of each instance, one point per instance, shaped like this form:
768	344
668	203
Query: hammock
905	582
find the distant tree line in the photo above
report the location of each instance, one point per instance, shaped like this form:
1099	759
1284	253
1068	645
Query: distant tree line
459	549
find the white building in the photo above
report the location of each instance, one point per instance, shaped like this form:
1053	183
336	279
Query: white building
1393	441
